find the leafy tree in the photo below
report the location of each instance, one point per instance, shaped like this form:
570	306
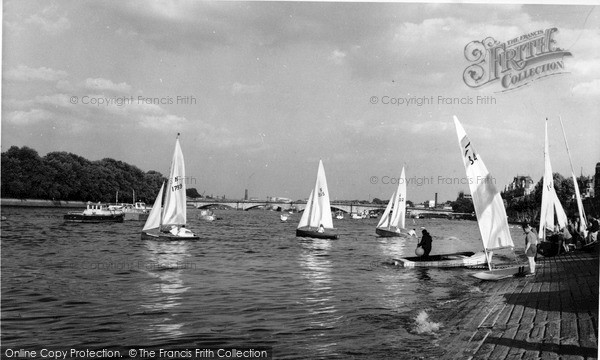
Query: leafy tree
463	204
192	192
66	176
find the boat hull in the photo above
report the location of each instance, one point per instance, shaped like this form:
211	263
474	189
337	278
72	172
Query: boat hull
315	234
460	259
132	216
548	249
80	218
156	235
499	274
390	233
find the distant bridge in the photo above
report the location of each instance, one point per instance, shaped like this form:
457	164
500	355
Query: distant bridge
300	206
282	206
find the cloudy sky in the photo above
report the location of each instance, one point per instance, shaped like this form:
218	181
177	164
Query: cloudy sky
272	87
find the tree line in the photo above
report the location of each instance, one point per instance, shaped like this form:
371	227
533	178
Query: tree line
69	177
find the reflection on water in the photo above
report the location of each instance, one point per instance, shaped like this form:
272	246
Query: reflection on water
394	282
319	298
165	262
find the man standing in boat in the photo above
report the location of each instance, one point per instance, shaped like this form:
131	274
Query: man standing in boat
425	243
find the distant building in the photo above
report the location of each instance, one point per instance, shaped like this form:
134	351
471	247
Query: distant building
521	185
588	190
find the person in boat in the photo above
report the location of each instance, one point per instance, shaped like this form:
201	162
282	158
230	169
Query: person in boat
412	232
425	243
530	246
321	228
572	227
174	230
557	238
567	238
592	229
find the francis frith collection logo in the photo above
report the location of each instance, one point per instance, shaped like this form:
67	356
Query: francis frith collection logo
516	62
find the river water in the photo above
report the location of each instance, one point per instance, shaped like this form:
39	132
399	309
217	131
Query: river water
249	282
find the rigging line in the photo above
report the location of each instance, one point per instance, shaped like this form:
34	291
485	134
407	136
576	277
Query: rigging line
582	27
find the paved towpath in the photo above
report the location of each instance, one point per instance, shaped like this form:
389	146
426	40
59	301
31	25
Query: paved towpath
552	315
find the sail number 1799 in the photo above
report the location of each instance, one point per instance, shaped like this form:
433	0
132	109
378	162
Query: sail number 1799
177	187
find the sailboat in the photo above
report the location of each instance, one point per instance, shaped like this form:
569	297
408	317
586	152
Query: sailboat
316	221
168	222
550	205
489	206
490	211
582	219
393	218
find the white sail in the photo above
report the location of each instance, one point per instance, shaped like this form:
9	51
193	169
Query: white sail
385	218
153	220
394	214
307	211
489	206
400	203
581	211
319	211
174	212
550	204
321	214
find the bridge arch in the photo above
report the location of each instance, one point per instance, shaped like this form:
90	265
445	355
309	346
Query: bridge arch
206	206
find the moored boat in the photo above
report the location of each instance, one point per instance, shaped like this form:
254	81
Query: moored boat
459	259
95	213
136	212
207	215
551	209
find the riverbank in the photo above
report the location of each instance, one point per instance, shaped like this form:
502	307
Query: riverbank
42	203
552	315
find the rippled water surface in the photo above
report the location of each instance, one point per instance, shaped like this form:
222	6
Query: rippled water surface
248	282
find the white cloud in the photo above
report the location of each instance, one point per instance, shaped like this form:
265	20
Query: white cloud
25	73
27	117
49	21
100	84
591	88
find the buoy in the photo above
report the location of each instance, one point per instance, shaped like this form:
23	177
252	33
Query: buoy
419	251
